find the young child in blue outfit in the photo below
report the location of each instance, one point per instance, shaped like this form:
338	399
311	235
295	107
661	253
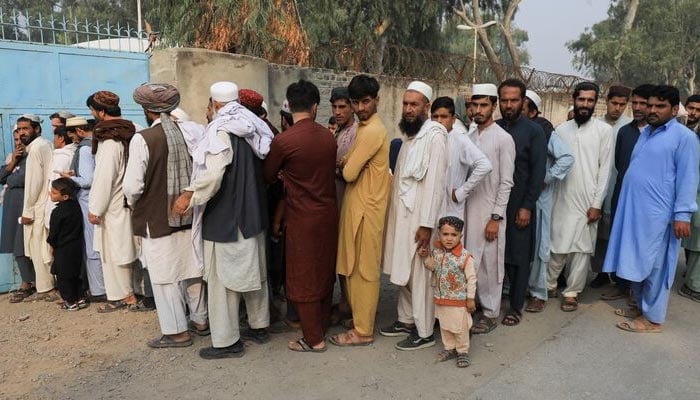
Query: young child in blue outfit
454	285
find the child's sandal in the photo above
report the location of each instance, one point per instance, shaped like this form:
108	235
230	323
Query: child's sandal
463	360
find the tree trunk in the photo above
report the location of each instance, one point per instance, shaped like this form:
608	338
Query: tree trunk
629	21
507	34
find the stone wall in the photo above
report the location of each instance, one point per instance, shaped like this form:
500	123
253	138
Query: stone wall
194	70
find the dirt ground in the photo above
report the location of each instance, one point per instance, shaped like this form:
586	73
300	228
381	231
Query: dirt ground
52	354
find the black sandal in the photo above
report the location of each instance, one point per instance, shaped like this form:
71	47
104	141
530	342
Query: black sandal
511	319
463	360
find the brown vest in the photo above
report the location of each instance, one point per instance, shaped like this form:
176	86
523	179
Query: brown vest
152	207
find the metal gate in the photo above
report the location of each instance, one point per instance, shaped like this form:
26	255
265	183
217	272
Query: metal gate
41	76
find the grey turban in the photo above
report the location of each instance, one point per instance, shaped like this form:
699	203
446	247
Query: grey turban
157	97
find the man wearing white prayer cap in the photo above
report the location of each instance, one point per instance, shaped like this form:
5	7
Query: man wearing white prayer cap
231	254
36	193
485	228
417	198
532	108
559	161
81	172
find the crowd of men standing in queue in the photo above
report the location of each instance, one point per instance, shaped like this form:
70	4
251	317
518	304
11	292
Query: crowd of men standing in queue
249	210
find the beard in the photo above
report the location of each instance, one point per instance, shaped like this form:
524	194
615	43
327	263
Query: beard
411	128
27	140
582	118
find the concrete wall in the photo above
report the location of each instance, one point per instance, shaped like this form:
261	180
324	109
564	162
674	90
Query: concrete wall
194	70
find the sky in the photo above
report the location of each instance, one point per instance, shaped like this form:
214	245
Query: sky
552	23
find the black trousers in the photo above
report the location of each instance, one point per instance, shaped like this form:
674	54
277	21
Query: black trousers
70	288
518	276
26	268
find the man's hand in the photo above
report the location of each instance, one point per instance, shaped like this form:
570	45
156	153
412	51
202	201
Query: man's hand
522	220
593	215
491	231
471	306
67	174
454	195
94	219
18	153
182	203
681	229
27	221
423	237
423	252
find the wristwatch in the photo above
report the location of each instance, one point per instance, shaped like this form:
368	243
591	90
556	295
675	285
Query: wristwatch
496	217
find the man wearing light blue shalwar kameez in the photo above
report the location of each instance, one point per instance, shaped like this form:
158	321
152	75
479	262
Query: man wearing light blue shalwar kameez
559	161
659	188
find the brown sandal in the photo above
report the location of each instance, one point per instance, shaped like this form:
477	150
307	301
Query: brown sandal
570	304
349	338
639	325
484	325
446	355
535	305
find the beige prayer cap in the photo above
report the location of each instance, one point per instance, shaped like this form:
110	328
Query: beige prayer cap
422	88
224	92
76	121
534	97
485	89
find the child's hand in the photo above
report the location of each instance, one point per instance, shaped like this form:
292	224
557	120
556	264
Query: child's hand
471	306
422	251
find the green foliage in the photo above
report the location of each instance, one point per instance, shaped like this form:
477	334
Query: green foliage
660	47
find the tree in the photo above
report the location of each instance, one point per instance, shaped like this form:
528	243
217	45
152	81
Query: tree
656	42
502	11
269	29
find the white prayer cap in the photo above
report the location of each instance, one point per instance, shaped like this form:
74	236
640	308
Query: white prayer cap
180	114
285	107
535	98
224	92
14	128
32	117
76	121
264	106
484	89
422	88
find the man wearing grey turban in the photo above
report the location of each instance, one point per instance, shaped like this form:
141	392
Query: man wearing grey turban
158	170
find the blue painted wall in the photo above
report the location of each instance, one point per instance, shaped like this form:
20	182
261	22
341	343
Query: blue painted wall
43	79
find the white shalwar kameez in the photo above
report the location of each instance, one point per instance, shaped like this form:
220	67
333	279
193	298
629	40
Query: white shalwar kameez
175	278
114	238
232	270
467	166
573	238
490	197
36	194
425	199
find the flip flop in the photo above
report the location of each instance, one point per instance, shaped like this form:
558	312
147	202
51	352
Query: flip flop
166	341
648	327
112	306
304	347
351	337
